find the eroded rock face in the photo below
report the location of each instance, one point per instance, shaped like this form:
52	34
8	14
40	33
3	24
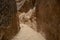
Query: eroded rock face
48	18
26	6
8	19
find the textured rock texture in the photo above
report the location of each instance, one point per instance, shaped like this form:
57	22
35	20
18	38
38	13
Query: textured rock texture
8	19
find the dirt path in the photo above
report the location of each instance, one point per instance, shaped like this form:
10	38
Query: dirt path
27	33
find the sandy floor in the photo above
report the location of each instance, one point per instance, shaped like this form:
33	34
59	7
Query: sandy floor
27	33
